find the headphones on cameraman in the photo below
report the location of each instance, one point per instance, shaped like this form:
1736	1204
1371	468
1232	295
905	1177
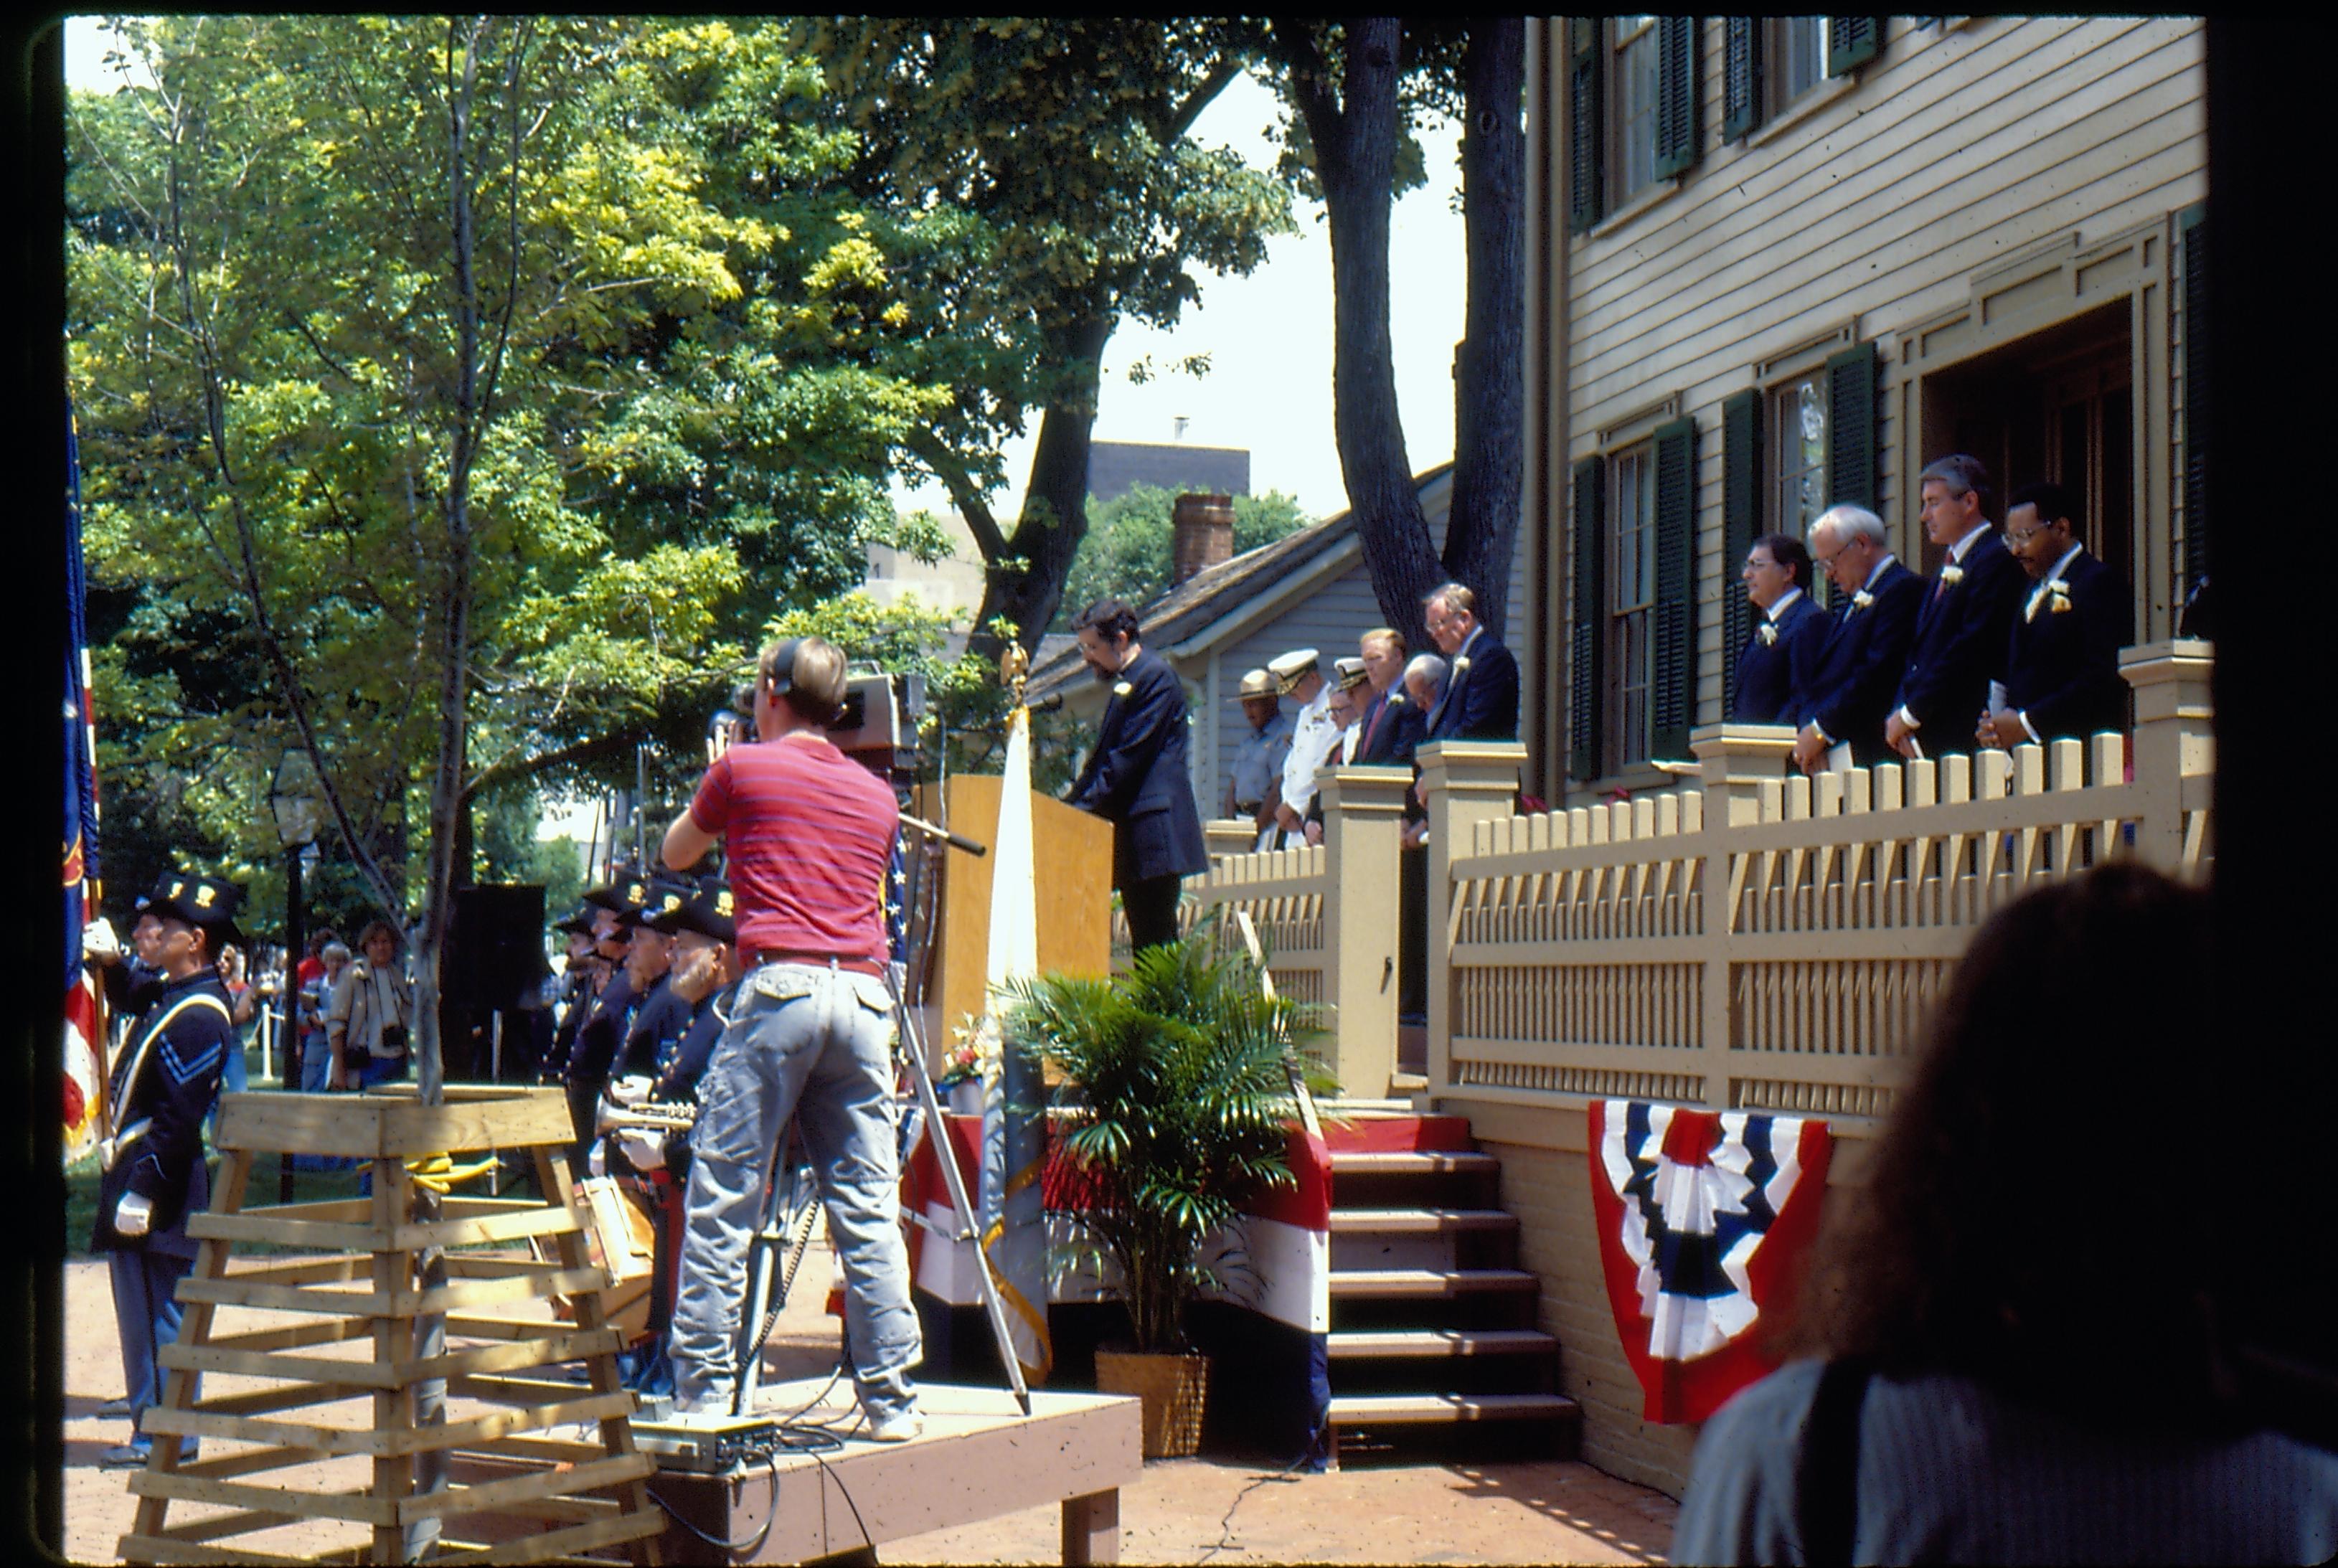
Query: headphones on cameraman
782	679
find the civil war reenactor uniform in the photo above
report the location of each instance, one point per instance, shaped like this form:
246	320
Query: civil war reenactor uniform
610	1020
165	1082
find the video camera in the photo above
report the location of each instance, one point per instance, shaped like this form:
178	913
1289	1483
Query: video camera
877	727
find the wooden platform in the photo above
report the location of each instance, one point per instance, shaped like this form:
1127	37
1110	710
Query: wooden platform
977	1458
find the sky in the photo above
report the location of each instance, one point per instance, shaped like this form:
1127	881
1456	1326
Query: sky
1268	335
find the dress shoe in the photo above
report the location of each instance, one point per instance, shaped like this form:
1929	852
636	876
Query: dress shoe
114	1410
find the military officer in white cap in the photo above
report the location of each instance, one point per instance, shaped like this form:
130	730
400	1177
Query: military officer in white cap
1255	784
1312	736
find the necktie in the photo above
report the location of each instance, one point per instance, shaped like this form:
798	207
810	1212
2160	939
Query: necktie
1940	590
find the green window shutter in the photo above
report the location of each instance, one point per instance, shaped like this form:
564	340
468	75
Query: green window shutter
1852	41
2192	236
1851	427
1587	120
1586	660
1680	95
1741	75
1741	522
1672	695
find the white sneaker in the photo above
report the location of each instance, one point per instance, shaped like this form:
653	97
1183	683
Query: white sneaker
897	1427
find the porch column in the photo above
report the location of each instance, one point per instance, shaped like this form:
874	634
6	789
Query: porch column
1465	782
2175	744
1739	761
1226	836
1363	817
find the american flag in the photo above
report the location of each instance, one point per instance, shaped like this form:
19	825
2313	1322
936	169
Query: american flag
84	1002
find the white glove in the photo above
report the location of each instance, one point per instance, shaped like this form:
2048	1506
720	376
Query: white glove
132	1215
646	1151
593	1162
99	942
631	1089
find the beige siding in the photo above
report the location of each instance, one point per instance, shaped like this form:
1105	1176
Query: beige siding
1950	154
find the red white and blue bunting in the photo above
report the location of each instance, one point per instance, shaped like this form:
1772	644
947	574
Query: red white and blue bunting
1704	1217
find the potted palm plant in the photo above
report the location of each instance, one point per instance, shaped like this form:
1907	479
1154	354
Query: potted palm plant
1174	1087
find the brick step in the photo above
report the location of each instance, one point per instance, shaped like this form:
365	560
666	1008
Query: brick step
1434	1409
1414	1284
1419	1221
1435	1344
1411	1163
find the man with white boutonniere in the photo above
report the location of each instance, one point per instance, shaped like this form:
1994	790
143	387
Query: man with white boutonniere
1135	777
1849	692
1775	669
1480	700
2061	661
1962	619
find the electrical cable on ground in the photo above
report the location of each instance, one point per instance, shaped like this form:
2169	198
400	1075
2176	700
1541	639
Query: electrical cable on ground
1226	1523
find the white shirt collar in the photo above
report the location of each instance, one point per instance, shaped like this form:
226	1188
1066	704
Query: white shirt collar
1788	597
1880	567
2072	554
1957	551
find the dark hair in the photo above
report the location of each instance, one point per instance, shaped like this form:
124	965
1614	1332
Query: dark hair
1790	552
1108	618
1988	1240
1960	472
389	927
2051	500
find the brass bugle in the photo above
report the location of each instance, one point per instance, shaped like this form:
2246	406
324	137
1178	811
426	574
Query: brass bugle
649	1115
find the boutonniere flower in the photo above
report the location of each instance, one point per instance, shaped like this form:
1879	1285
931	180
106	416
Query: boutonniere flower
2058	594
1122	688
1769	635
1861	600
1461	663
1952	574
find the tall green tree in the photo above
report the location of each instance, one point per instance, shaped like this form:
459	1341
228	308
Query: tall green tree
1039	184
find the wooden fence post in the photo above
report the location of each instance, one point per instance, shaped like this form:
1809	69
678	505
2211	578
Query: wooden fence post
1364	817
1465	782
1738	759
1227	836
2175	743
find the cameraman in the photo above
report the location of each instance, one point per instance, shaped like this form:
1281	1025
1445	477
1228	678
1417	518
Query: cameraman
810	836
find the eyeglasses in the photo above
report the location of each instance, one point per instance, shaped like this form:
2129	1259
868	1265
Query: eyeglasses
2021	537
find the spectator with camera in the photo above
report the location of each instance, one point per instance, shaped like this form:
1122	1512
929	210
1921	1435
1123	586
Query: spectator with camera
370	1019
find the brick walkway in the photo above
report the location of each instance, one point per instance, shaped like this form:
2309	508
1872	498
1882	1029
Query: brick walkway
1184	1511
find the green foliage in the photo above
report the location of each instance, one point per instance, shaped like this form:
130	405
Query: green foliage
1127	552
1177	1079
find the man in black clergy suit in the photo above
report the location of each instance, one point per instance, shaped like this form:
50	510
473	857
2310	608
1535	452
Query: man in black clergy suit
1774	673
1135	777
1860	667
1966	613
1480	700
2062	664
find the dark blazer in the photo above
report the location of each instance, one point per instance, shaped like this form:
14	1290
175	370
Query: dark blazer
1480	700
1773	676
1850	690
2061	666
1393	725
1959	646
1135	777
176	1086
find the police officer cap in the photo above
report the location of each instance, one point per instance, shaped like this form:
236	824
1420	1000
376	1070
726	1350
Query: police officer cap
1289	668
1353	673
201	901
707	911
1258	683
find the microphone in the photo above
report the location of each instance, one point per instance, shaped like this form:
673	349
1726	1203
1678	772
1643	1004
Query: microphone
1048	704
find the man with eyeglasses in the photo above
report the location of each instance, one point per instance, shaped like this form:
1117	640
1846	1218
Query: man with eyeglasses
1774	671
2061	661
1858	669
1963	618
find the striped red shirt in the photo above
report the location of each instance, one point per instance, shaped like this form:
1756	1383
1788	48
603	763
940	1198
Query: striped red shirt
810	838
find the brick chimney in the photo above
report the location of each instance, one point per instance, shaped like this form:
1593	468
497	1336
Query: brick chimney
1201	534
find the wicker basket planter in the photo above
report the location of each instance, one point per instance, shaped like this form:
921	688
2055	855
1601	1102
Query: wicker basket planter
1171	1388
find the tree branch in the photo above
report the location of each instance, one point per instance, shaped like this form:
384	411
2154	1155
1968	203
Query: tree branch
988	537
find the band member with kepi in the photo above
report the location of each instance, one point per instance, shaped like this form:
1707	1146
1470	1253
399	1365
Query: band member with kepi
165	1083
1136	778
810	839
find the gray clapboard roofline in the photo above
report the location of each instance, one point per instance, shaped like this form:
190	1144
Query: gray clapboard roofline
1216	607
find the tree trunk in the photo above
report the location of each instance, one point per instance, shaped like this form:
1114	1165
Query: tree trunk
1355	151
1490	388
1028	586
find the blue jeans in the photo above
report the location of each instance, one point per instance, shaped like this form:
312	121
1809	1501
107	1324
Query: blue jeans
146	1314
816	1045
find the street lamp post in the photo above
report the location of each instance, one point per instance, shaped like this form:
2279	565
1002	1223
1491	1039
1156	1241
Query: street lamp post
292	801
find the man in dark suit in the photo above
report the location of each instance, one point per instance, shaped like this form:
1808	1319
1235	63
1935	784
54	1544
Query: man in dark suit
1480	702
1135	777
1966	613
1774	673
1391	723
1860	667
2061	662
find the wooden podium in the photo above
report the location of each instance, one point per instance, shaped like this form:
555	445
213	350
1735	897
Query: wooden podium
1073	853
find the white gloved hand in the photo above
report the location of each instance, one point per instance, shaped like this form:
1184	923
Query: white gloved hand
99	942
630	1089
132	1215
645	1149
596	1163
